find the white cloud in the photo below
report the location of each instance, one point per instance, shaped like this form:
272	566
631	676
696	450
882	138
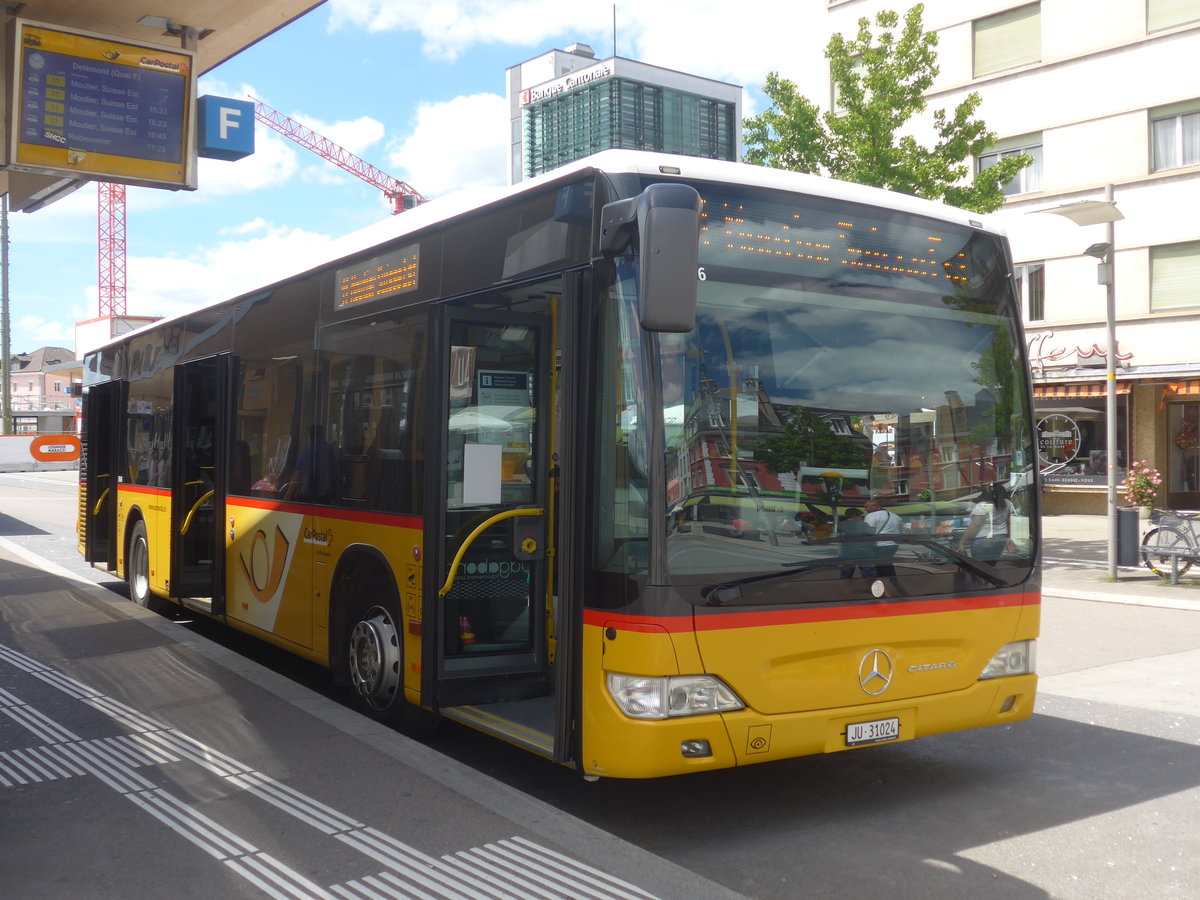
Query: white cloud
253	226
450	27
166	286
457	144
40	332
700	37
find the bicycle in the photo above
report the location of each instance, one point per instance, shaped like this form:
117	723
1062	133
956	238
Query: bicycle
1169	549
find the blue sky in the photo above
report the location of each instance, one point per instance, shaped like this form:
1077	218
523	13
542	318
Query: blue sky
415	88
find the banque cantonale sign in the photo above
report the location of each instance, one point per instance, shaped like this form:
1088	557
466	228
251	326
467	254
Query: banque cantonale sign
567	82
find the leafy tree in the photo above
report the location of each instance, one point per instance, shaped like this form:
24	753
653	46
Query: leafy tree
880	82
807	439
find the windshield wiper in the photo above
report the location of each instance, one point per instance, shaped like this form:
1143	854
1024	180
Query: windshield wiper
982	569
728	592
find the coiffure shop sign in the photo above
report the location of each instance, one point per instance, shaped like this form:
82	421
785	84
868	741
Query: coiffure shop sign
568	82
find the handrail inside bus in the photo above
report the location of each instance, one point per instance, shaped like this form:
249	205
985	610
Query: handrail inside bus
103	494
479	529
187	523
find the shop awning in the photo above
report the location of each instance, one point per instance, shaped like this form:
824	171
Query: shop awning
1095	389
1184	388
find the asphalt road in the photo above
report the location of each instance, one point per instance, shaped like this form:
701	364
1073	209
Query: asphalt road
1098	796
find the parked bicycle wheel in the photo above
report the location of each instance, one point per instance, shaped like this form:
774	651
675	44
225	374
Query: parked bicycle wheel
1171	540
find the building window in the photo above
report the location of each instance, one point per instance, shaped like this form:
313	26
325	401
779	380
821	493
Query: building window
1175	276
1031	290
25	424
1175	136
1029	179
1008	40
1162	14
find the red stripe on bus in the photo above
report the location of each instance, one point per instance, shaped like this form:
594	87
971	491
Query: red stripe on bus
143	489
720	621
396	520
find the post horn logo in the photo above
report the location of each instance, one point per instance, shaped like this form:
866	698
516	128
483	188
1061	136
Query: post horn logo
264	571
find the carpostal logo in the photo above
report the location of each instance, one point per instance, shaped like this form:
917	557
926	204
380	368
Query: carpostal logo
162	65
321	537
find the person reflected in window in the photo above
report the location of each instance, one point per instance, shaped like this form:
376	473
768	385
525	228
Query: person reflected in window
987	534
881	521
854	525
313	477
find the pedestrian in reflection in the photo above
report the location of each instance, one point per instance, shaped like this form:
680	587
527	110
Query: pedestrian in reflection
854	525
987	534
881	521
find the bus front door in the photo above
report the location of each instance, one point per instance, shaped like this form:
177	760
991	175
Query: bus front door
101	471
492	516
197	484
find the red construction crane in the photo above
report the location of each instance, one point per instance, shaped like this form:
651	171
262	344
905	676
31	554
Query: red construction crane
403	195
110	208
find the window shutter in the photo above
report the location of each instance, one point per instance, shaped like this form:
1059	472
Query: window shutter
1010	39
1174	276
1162	14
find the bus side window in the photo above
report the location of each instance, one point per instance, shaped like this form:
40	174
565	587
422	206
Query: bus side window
268	424
376	382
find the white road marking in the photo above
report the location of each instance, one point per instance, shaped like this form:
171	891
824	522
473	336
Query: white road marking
515	868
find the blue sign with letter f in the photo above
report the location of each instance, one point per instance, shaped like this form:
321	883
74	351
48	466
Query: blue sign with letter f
226	127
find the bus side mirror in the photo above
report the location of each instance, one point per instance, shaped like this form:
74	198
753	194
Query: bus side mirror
664	224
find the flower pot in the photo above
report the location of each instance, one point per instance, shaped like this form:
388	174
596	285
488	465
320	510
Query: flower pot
1143	512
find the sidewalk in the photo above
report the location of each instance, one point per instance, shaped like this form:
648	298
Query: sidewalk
1075	553
120	722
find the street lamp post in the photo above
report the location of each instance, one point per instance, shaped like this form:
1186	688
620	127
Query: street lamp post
1095	212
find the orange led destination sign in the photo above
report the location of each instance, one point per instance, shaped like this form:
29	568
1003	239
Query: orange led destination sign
380	276
91	106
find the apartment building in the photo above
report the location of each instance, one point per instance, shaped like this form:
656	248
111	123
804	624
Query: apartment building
41	390
1099	95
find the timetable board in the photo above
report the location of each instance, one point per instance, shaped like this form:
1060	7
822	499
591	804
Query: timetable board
87	105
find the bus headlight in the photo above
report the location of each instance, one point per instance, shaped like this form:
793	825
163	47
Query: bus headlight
1017	658
642	697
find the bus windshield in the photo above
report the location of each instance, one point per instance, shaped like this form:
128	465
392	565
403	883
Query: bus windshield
853	397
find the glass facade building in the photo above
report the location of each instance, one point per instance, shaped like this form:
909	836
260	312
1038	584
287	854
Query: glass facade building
625	114
566	105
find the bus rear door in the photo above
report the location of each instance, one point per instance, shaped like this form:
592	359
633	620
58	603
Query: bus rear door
201	407
103	405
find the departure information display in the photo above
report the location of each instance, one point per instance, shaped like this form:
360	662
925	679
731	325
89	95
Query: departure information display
91	105
381	276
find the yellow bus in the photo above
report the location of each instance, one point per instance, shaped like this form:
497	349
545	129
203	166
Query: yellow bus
445	463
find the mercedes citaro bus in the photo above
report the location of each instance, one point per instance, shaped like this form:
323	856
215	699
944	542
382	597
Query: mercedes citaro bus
455	465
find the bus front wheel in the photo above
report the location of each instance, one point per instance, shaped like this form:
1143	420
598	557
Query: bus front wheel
374	656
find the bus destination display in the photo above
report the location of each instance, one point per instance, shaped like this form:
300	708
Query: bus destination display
380	276
91	105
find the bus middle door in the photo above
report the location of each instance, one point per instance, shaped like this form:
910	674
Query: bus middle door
491	513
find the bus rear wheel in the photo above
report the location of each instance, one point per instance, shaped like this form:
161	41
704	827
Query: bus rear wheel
374	656
137	570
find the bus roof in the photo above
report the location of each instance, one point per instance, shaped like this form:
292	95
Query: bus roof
637	162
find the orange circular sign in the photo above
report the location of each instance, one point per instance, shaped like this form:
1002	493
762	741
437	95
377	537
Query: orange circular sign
55	448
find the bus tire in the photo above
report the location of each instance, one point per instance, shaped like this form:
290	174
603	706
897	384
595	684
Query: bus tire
137	570
373	653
